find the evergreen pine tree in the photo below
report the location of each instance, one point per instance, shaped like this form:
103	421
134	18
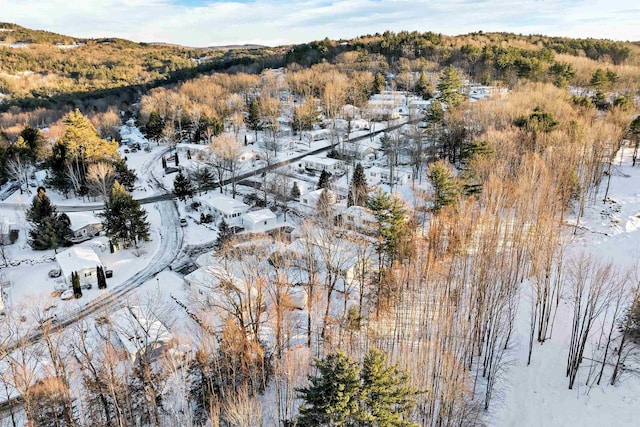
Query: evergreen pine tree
634	135
177	159
253	118
49	230
358	190
295	191
224	234
379	83
75	284
33	140
102	279
154	127
83	142
124	175
332	397
435	113
182	187
324	182
445	185
422	87
123	217
58	165
385	398
450	87
473	149
391	217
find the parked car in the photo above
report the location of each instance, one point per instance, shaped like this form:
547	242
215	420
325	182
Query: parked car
86	286
108	274
67	295
183	222
55	272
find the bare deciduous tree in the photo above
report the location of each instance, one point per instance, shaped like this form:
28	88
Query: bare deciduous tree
100	178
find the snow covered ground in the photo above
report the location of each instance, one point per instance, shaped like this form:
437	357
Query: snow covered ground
535	395
538	395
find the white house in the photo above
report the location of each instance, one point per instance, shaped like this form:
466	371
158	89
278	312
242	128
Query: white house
317	163
360	124
310	200
215	288
84	226
223	207
136	330
82	260
317	135
349	111
357	151
377	175
260	220
358	218
420	104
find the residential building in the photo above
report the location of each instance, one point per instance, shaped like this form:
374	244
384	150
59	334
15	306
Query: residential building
220	206
317	163
81	259
84	226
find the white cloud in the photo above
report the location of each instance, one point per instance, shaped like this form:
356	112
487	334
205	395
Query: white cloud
281	22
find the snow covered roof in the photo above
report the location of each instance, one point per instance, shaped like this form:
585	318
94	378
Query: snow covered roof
224	204
322	160
360	212
377	170
82	219
77	258
134	330
259	216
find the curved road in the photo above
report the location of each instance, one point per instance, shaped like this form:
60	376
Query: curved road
171	251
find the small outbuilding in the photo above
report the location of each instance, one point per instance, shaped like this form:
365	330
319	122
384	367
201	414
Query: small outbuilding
261	220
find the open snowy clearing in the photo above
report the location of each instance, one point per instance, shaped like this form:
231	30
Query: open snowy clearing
538	395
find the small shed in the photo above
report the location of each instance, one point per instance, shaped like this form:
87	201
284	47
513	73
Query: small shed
260	220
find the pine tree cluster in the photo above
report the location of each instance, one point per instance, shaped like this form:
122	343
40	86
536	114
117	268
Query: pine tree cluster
345	393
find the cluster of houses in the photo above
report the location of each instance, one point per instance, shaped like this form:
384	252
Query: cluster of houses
236	213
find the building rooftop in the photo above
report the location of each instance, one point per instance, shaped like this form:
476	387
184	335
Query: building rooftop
224	204
77	258
258	216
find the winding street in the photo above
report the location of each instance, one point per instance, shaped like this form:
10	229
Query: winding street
170	252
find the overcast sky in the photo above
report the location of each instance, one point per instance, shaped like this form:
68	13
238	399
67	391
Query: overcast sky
201	23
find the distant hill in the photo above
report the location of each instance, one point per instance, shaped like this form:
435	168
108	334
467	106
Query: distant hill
42	69
45	69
